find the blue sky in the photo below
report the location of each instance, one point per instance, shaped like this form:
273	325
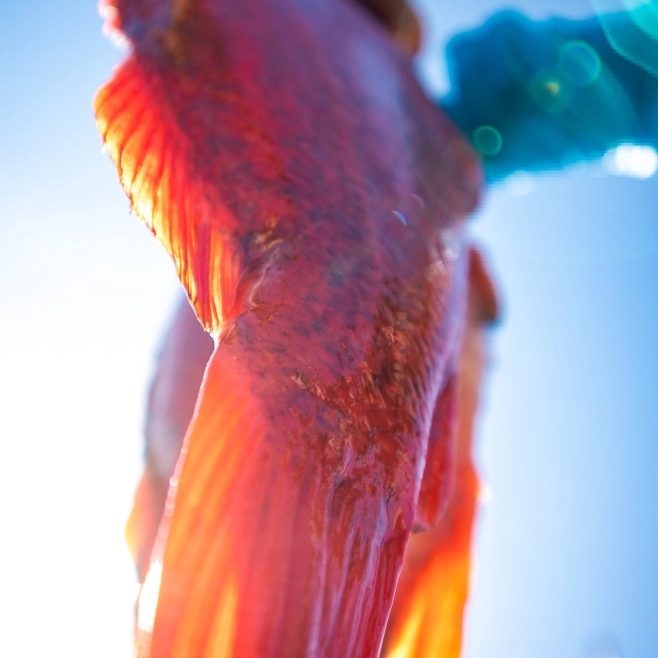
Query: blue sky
567	549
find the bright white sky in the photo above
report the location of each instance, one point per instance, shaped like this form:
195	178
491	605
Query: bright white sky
567	551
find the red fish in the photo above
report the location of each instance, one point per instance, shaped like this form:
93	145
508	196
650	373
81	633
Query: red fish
313	201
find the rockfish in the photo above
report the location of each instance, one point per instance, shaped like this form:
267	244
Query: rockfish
313	200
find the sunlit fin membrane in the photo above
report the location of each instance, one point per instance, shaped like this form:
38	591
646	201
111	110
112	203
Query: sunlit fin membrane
142	526
428	620
268	546
167	191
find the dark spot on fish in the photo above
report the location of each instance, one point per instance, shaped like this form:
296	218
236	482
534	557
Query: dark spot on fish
302	330
278	348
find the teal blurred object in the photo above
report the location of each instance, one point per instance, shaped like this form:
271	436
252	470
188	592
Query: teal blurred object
631	27
536	96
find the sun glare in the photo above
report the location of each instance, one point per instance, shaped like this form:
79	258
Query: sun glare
632	160
148	598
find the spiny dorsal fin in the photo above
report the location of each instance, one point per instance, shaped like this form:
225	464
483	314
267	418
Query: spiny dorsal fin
179	126
158	171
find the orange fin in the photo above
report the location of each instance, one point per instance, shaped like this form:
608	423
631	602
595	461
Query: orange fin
427	618
144	520
273	540
167	191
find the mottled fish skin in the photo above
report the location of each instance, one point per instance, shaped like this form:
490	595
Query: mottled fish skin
428	611
184	355
313	200
427	616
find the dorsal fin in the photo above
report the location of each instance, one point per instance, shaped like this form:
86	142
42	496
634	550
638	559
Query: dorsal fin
179	128
167	191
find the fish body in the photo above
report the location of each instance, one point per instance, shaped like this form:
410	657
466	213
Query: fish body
313	200
427	615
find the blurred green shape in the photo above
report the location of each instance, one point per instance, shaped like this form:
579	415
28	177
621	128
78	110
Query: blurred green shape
487	140
631	27
579	63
